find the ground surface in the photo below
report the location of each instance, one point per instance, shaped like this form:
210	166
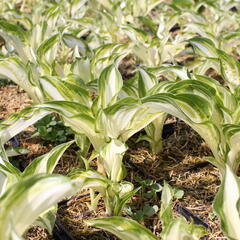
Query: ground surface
178	164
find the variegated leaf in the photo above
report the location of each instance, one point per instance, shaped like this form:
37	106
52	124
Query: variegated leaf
13	69
232	134
112	155
226	204
146	81
110	84
204	47
124	228
47	162
41	192
230	68
18	122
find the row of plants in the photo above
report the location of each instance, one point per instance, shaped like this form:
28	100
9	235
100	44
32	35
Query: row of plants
66	54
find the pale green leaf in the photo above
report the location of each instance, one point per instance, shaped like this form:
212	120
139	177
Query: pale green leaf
26	200
124	198
112	155
58	89
230	68
16	151
13	69
204	47
226	204
47	162
18	38
232	134
146	81
47	51
181	230
125	118
18	122
124	228
90	179
47	219
110	83
82	68
72	42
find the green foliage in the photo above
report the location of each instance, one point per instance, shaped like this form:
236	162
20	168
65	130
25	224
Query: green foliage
51	128
149	188
4	82
145	212
67	55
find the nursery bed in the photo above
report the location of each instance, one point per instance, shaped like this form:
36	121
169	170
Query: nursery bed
181	164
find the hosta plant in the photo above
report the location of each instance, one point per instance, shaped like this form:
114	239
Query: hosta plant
220	103
210	19
31	54
26	200
34	189
113	14
28	58
41	167
154	51
212	116
102	121
212	108
146	83
115	195
226	65
225	111
43	164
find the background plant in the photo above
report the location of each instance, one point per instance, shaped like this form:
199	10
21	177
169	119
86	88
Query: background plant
51	128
